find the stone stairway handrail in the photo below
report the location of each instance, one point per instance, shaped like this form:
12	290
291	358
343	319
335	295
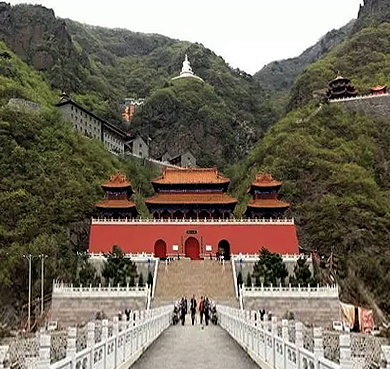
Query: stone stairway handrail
309	291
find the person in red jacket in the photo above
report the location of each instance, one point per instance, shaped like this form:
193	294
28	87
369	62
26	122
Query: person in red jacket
201	311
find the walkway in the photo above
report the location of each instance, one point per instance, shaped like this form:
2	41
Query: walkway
189	347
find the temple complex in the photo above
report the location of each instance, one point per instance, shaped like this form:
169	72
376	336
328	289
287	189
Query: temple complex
265	202
341	88
193	193
192	218
186	71
116	203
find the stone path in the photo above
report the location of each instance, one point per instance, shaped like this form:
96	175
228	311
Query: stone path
190	347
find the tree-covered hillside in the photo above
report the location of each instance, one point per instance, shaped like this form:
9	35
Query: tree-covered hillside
363	58
100	67
50	179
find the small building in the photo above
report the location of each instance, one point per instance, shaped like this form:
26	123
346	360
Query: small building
117	203
265	202
138	147
186	160
341	88
186	71
91	125
379	90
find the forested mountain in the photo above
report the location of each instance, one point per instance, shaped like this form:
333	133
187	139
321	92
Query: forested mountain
278	77
334	163
100	67
50	179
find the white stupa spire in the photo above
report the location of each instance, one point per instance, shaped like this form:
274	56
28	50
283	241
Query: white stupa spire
186	70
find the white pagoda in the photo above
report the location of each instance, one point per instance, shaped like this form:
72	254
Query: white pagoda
186	71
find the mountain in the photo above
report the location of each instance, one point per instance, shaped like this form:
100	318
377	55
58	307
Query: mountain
372	13
334	163
50	179
278	77
99	67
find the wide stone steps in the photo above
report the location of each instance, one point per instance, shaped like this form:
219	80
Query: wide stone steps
186	277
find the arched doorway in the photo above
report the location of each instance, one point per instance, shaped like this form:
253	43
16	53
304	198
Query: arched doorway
160	249
224	249
192	248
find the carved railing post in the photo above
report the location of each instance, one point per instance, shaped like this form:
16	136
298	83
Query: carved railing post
4	353
345	352
285	329
299	339
104	330
318	346
71	346
115	334
386	356
91	334
274	330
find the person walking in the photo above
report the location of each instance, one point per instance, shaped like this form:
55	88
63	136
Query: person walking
201	311
193	309
206	309
183	309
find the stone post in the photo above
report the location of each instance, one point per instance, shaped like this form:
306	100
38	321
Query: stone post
115	334
345	352
274	331
71	346
104	330
318	346
4	353
44	351
299	334
285	329
91	335
385	350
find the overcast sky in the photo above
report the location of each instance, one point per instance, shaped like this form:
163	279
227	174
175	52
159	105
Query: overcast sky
247	33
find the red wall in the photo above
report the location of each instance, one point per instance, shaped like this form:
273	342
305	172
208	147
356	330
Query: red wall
244	238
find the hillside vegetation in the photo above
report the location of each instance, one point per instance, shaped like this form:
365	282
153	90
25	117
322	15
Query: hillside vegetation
50	179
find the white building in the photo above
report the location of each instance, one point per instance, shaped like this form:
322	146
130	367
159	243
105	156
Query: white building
186	71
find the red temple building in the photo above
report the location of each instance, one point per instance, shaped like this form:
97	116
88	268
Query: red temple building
117	194
195	193
341	88
379	90
192	218
265	202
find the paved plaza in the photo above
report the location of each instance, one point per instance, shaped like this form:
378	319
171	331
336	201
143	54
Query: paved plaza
190	347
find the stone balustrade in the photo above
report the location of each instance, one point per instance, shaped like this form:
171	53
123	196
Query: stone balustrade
136	257
363	97
117	346
255	257
64	290
292	292
194	221
272	346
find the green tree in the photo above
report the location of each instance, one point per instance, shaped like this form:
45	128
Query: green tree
119	269
303	275
141	282
270	268
248	280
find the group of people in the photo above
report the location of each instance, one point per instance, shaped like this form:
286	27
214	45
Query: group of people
204	307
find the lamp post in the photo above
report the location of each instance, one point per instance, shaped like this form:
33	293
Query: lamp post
29	257
42	257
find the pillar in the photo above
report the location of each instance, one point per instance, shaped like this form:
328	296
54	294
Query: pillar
91	335
4	353
71	346
274	330
299	334
318	346
285	329
345	352
104	330
44	351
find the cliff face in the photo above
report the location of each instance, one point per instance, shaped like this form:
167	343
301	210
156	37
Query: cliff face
41	40
372	13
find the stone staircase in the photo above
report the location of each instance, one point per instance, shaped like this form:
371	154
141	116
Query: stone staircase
186	277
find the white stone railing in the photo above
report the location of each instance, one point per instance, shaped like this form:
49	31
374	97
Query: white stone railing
271	348
118	346
363	97
63	290
133	256
193	221
292	292
255	257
